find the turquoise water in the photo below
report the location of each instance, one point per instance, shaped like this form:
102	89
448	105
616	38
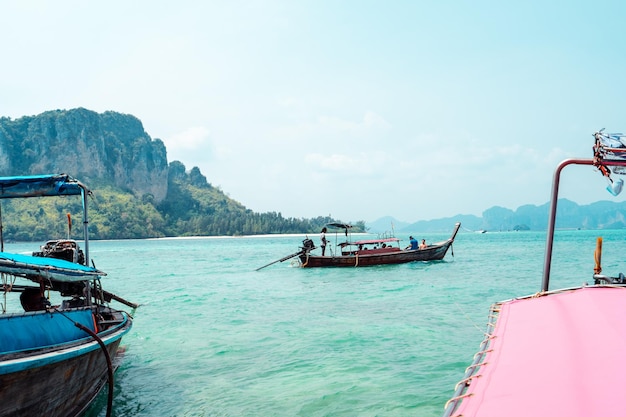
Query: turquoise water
214	337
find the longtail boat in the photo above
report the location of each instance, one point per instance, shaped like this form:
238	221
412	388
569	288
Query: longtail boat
556	352
368	252
55	359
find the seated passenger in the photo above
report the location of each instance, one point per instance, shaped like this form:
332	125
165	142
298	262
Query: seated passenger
413	243
33	300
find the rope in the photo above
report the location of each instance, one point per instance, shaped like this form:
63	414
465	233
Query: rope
468	319
455	399
475	365
7	285
482	352
472	371
466	381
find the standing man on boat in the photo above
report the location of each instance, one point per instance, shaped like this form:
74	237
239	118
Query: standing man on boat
323	240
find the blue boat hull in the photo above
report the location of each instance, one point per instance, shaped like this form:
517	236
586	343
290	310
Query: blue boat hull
58	380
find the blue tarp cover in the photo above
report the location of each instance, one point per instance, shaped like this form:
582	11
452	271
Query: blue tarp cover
36	330
39	186
60	269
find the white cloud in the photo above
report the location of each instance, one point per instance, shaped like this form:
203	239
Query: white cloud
190	139
369	122
355	165
290	110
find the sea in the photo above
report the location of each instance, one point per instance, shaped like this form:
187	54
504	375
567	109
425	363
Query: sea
214	336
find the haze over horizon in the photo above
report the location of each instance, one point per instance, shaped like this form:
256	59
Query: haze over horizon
353	109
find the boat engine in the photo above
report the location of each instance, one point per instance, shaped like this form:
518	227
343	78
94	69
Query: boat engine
307	245
62	249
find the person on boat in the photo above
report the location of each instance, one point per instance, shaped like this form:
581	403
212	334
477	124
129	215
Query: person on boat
413	243
423	245
323	241
32	299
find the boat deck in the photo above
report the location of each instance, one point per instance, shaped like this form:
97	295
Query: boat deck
558	354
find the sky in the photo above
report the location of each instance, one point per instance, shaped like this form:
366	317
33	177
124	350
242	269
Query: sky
356	109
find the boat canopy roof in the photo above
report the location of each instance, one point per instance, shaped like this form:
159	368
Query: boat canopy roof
543	357
370	241
339	225
40	186
52	268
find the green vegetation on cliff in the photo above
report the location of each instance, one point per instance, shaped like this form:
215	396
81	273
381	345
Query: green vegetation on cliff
137	194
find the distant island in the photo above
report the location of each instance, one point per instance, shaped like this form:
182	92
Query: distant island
570	215
139	194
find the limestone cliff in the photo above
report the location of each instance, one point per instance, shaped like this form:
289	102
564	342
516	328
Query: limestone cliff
137	194
110	147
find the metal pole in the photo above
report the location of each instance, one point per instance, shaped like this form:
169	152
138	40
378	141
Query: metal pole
1	231
83	193
552	214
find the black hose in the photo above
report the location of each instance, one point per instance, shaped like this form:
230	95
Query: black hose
109	364
106	355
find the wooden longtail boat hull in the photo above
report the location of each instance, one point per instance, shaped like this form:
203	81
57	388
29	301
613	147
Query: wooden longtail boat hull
57	381
432	253
356	253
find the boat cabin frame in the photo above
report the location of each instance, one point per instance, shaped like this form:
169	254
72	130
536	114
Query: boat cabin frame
545	283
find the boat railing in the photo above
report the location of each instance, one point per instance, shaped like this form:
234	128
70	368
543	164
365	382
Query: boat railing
603	165
600	279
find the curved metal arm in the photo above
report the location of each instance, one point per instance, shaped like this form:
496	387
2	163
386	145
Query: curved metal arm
552	213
